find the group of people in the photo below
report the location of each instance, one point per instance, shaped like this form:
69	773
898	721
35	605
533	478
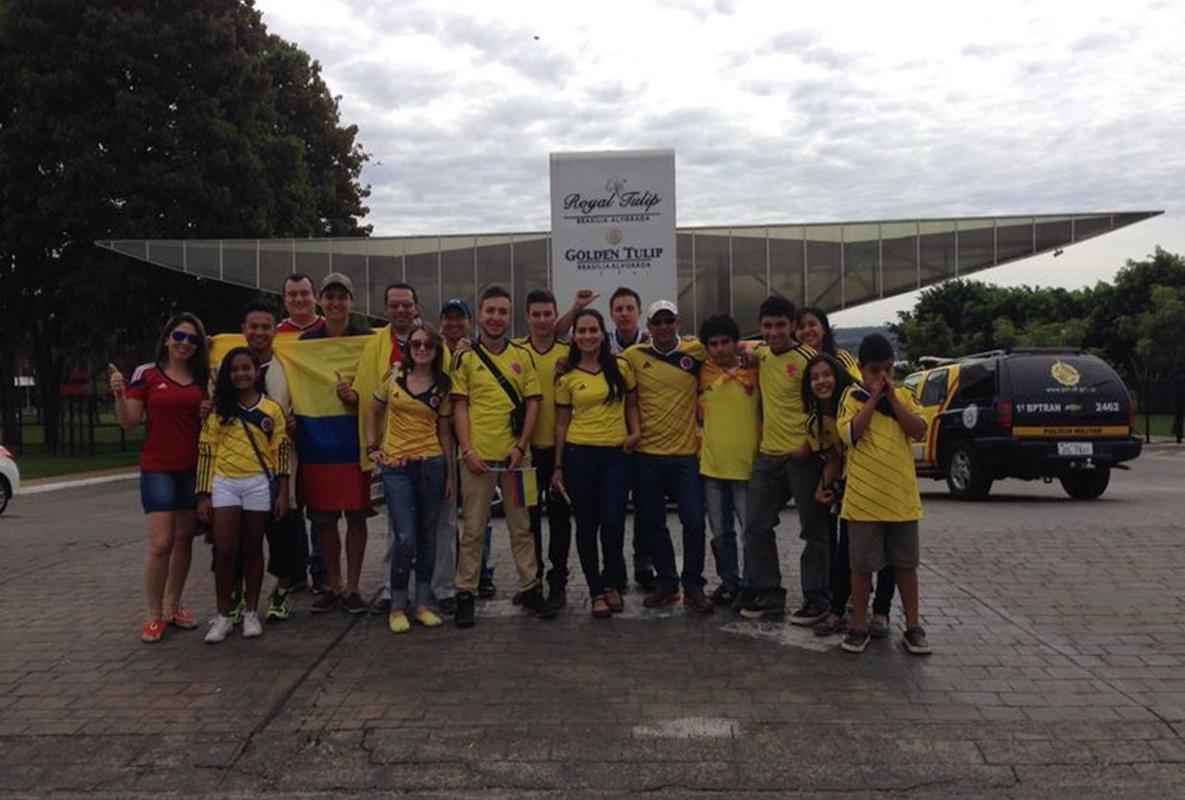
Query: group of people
569	424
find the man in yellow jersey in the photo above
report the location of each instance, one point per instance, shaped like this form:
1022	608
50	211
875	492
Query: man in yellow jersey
548	351
495	396
877	423
667	370
784	468
730	405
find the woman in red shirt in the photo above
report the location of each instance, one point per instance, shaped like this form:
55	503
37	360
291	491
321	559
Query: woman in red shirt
167	396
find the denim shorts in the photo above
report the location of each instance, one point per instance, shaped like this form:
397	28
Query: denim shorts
168	491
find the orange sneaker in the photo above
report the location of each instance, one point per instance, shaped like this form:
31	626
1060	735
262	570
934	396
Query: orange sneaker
154	629
183	618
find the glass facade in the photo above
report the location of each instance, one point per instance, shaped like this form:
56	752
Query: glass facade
720	269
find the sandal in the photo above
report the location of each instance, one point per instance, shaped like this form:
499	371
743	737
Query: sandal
600	608
182	618
154	629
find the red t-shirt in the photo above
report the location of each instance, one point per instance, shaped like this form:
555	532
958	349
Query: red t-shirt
172	418
288	326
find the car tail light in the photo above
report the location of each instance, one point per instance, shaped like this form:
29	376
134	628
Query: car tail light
1004	414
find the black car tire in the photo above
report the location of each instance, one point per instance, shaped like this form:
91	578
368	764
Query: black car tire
5	493
965	476
1087	484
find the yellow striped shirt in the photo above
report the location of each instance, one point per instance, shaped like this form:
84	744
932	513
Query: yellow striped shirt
882	484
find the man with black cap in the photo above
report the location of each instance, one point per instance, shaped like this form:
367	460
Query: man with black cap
667	370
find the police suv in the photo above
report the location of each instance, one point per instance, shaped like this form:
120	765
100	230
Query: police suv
1024	413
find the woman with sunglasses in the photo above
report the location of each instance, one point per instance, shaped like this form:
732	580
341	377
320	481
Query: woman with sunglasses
166	395
408	434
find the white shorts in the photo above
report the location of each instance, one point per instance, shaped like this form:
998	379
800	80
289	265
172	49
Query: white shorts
252	494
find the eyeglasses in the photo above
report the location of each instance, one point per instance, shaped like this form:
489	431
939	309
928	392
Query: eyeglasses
420	344
182	336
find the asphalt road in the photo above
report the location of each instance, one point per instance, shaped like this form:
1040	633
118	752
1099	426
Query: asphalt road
1057	627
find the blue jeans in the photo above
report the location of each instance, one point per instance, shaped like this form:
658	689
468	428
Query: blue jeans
595	480
415	498
679	477
727	502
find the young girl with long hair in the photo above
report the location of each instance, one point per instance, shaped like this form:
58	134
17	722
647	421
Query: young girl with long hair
409	436
596	425
826	379
166	395
814	330
242	480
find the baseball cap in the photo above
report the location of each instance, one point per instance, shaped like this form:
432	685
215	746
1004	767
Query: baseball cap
337	279
661	305
456	304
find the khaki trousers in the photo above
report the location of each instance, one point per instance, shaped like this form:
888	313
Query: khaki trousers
477	491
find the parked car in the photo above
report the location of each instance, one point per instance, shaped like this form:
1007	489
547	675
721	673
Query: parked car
1024	413
10	478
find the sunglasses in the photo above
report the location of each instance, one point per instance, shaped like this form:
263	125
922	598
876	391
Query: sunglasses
181	336
420	344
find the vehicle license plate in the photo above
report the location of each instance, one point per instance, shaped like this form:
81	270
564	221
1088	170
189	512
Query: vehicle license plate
1075	448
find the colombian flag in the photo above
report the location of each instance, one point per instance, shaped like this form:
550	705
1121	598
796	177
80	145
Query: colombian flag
327	431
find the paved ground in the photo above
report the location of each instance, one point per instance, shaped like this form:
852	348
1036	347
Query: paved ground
1058	627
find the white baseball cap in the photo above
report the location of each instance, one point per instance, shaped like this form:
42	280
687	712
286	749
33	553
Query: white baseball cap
661	305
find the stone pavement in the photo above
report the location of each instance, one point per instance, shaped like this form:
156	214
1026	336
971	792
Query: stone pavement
1057	626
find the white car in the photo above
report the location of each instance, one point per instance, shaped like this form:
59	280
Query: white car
10	478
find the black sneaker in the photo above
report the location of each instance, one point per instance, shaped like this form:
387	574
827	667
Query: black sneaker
466	610
326	602
557	600
381	606
697	601
486	588
831	624
807	615
318	588
533	600
915	642
723	596
856	640
352	604
447	606
646	581
765	605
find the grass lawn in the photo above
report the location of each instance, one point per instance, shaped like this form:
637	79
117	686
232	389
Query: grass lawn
1161	425
36	462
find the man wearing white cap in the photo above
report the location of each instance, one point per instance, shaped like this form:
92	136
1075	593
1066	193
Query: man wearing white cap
667	370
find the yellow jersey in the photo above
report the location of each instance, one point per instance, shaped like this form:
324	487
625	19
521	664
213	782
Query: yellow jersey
225	451
545	367
668	385
882	483
783	416
594	422
731	403
411	430
850	364
488	404
820	440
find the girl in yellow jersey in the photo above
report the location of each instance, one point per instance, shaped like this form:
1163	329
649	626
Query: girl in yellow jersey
814	329
596	425
827	377
242	478
408	435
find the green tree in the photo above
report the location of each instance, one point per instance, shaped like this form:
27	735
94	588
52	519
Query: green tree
159	119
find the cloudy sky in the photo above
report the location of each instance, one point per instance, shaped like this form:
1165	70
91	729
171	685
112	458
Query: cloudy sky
778	112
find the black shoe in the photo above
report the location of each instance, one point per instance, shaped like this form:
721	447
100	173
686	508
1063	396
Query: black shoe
697	601
298	585
517	600
808	615
326	602
318	588
352	604
486	588
447	606
381	606
646	581
661	599
769	604
557	600
533	600
466	610
723	596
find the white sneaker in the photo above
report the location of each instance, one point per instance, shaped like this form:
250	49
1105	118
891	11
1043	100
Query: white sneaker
252	627
220	628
